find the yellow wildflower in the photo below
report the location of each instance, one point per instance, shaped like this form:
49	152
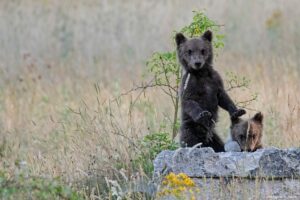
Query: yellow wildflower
178	185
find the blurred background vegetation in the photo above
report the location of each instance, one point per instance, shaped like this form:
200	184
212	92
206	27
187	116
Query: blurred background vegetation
63	65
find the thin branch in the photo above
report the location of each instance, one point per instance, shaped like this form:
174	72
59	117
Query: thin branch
150	84
233	84
167	79
170	95
248	101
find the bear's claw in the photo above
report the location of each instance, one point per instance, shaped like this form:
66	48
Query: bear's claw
205	119
204	114
238	113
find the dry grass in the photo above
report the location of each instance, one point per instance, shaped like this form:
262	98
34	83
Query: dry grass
56	109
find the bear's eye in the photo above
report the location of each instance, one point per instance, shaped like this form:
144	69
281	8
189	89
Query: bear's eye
189	52
203	51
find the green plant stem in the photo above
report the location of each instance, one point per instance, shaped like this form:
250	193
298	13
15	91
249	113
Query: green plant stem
176	106
175	117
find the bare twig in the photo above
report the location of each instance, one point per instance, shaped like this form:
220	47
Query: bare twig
233	84
246	103
167	79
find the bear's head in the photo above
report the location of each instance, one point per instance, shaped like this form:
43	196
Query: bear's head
248	133
196	53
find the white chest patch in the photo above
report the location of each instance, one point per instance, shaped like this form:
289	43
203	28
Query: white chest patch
186	81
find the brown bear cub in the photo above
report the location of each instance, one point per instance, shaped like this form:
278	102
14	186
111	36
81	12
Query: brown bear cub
202	91
248	133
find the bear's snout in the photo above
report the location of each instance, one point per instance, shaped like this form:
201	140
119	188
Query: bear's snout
198	64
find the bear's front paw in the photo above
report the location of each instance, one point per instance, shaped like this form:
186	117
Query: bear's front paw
238	113
204	114
205	119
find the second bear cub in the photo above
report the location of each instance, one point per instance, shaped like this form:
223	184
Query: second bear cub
247	133
202	91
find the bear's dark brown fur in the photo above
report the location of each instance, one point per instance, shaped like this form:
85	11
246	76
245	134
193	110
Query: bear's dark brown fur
202	91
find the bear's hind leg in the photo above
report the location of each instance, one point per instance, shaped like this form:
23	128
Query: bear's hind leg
216	143
189	138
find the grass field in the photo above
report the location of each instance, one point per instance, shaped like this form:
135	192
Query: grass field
62	64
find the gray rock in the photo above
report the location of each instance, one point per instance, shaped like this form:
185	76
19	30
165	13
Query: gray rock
269	173
204	162
232	146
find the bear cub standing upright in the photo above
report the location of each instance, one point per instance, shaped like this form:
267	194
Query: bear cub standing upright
202	91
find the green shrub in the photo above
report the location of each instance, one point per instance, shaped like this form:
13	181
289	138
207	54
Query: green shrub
150	146
22	187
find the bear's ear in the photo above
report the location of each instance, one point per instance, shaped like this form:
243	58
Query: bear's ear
258	117
207	35
180	38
